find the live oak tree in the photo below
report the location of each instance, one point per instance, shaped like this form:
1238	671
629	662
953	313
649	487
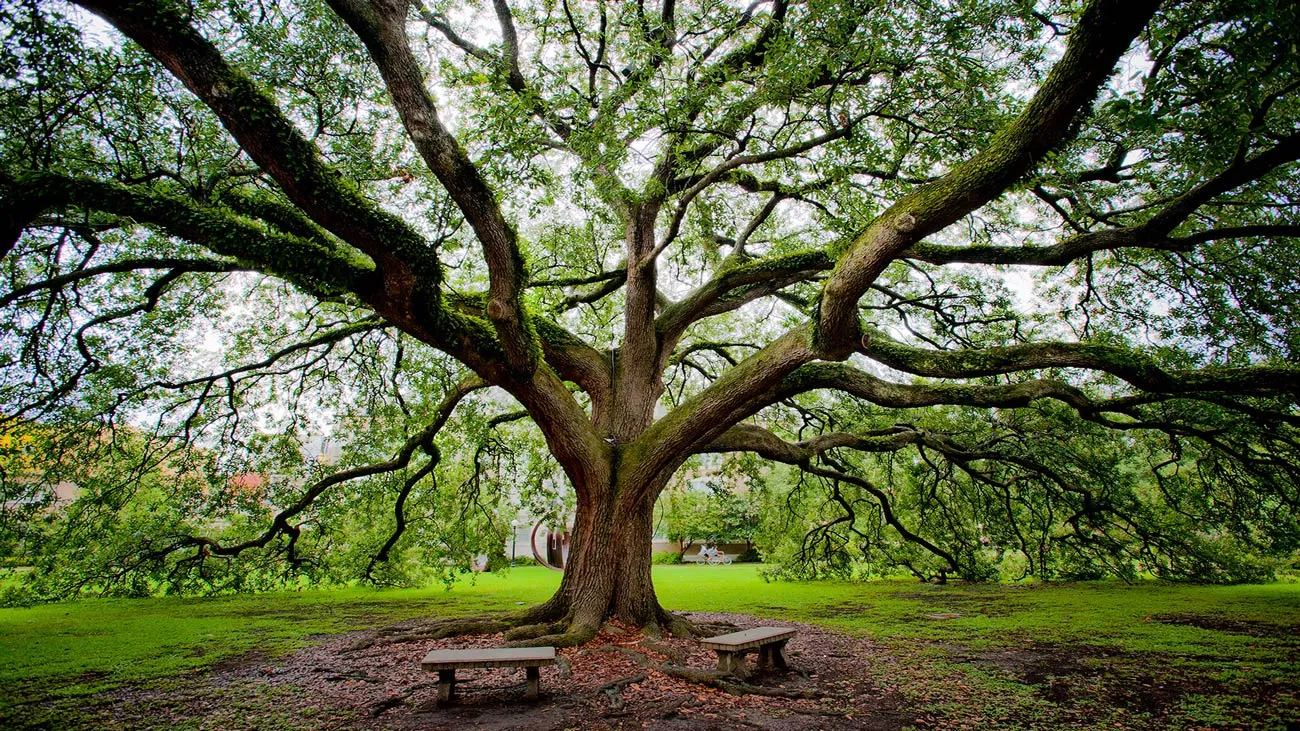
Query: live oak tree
807	231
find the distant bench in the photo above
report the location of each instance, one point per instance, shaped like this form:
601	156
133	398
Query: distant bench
731	648
447	662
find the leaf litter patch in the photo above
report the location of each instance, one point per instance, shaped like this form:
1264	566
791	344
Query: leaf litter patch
373	680
1081	680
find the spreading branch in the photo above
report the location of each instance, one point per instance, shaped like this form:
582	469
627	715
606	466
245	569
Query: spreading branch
281	524
382	28
1104	32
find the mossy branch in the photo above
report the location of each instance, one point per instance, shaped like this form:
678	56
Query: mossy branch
1104	32
758	277
1133	366
1154	234
382	29
319	268
256	121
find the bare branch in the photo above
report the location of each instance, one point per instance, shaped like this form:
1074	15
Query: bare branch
438	21
120	267
327	338
280	523
886	509
739	161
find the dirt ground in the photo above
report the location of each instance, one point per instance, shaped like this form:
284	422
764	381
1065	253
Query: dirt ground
373	680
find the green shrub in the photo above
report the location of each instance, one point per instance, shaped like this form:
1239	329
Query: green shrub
749	556
666	557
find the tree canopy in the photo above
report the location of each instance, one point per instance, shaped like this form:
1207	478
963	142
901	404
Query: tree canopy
1026	270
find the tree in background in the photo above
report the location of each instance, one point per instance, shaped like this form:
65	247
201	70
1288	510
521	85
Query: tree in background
656	231
713	515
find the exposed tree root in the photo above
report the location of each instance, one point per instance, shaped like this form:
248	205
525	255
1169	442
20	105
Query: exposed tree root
386	704
707	629
545	625
396	700
551	624
531	631
677	625
672	653
527	622
726	683
437	630
615	691
455	628
576	635
352	675
623	683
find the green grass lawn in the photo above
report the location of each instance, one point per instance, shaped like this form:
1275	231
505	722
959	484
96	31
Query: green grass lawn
1232	638
118	640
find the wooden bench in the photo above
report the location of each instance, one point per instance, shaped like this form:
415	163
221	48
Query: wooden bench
447	662
731	648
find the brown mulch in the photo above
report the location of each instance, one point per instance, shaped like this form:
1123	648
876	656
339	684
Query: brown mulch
373	680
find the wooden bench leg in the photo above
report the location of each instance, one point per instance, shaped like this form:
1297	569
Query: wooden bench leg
772	654
724	661
534	674
446	685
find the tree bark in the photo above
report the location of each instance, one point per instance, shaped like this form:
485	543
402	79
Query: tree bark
607	575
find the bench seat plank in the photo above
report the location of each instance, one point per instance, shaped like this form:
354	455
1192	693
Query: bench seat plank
732	648
748	639
489	657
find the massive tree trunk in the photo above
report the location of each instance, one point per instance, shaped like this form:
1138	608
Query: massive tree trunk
607	575
608	572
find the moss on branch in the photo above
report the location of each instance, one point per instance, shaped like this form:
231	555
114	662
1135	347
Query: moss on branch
736	279
252	116
1135	367
317	266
